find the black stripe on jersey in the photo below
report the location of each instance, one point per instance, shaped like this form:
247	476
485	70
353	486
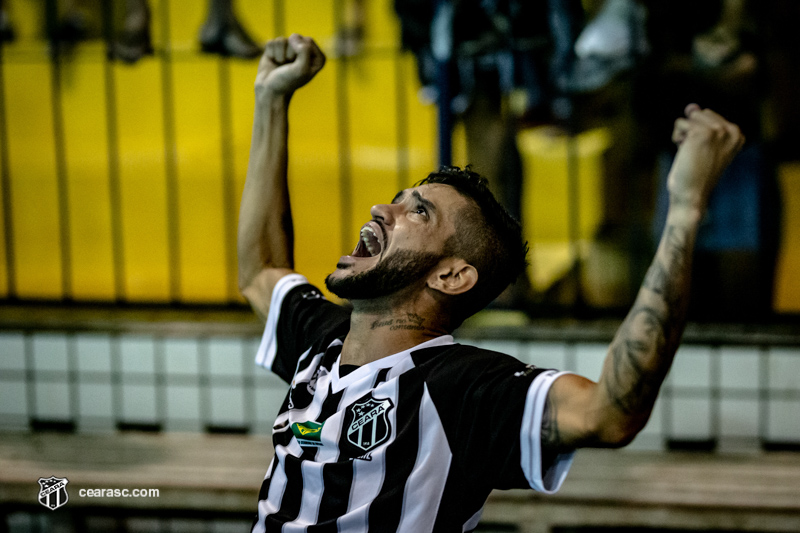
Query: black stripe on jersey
331	354
330	404
292	496
305	362
263	492
460	500
385	511
381	377
283	437
337	477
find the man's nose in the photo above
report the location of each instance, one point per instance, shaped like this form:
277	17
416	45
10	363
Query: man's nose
384	212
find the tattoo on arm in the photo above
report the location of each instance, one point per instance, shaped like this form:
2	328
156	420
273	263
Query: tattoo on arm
642	352
551	437
631	385
666	277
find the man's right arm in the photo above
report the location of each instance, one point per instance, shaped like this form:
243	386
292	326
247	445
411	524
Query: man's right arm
266	236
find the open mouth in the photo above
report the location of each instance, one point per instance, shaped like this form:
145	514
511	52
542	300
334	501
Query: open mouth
370	244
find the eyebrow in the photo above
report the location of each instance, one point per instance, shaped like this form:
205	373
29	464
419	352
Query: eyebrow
427	203
399	196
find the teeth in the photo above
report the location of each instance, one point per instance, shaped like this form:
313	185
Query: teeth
371	243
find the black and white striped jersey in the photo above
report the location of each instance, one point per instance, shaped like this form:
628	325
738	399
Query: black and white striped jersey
412	442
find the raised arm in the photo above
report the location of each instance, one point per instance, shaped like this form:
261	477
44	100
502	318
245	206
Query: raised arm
266	236
580	412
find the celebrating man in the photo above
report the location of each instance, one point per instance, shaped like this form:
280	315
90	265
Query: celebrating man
388	424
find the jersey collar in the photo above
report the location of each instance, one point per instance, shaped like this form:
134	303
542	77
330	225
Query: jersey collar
400	362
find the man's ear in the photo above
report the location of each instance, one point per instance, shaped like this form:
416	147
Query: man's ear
453	276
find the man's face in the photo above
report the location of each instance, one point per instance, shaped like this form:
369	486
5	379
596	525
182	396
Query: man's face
400	245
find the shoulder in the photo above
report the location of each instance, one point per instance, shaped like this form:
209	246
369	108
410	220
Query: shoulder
299	319
462	364
469	356
299	301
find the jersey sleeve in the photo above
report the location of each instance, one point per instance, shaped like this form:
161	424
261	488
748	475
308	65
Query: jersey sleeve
543	476
492	407
299	315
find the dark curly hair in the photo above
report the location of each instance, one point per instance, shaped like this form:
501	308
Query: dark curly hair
486	236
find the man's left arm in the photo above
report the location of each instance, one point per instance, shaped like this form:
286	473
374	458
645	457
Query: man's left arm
581	413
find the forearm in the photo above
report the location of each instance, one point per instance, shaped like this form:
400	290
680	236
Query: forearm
643	349
265	238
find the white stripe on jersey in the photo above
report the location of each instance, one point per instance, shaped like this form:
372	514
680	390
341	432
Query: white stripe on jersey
425	486
362	493
263	505
276	487
368	476
311	499
530	438
265	355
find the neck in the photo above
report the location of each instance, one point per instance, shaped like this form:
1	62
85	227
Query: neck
377	332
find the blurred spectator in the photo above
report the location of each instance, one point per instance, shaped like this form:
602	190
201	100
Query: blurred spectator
70	21
221	32
6	29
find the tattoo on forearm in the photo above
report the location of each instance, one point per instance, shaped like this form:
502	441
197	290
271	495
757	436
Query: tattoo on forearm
631	385
643	349
665	276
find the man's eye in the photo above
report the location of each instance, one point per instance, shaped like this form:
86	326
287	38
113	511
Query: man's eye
420	210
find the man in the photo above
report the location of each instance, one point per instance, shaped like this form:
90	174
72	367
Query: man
389	425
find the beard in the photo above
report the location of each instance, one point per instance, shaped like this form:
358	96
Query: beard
397	272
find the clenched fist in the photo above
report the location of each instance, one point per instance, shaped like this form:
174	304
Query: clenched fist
707	143
286	65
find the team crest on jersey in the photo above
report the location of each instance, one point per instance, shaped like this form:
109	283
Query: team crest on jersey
53	492
367	423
